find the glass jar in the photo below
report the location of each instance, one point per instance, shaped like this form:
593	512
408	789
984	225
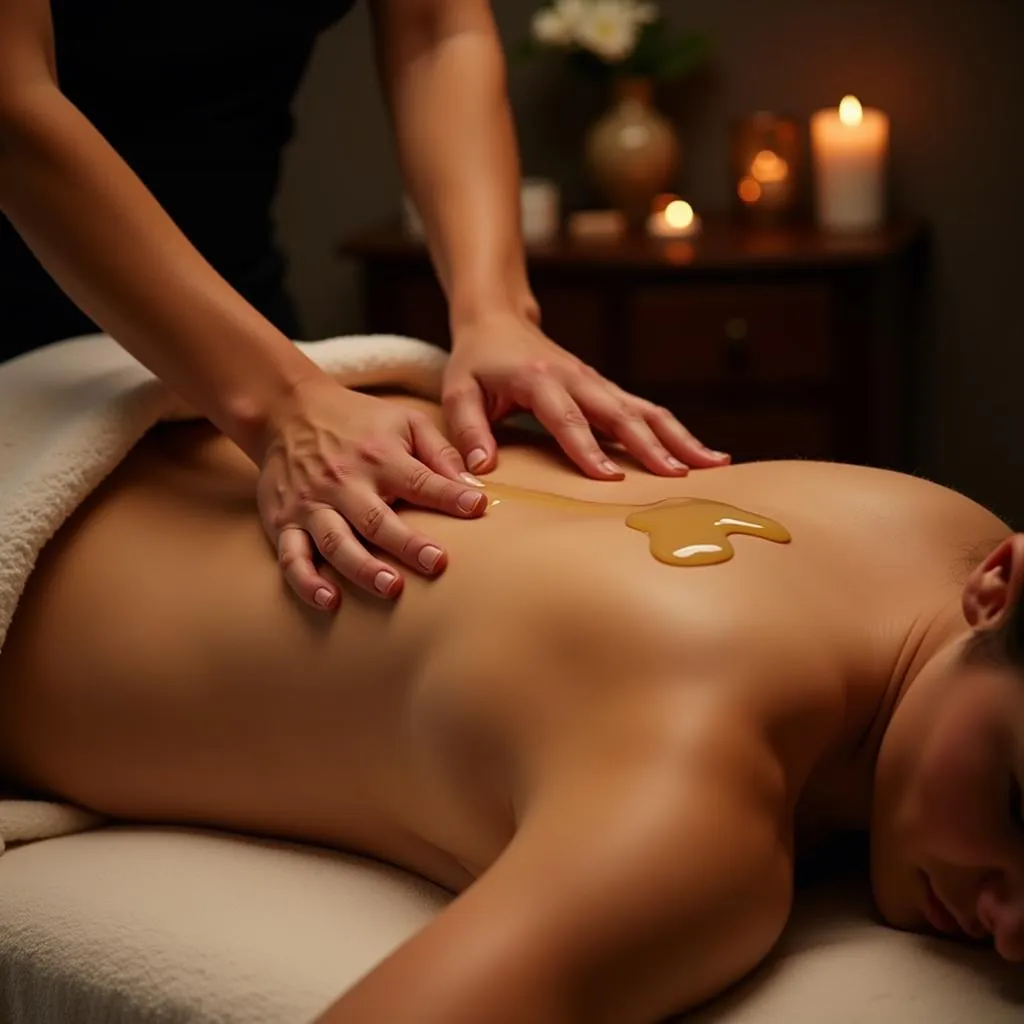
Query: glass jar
766	164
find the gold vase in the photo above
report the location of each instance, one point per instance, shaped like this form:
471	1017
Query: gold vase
633	151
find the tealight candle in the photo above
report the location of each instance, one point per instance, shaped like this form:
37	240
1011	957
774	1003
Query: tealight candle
850	148
676	220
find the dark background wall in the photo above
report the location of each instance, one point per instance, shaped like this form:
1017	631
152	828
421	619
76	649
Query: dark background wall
949	72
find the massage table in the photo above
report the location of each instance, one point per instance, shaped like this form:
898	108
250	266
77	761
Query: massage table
160	925
124	924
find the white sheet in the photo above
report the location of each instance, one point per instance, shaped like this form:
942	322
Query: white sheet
128	925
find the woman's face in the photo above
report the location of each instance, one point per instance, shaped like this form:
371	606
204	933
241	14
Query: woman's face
948	828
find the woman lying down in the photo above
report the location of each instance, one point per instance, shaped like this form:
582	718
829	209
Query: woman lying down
610	726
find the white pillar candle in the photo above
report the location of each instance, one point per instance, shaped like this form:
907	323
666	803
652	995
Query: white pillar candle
850	147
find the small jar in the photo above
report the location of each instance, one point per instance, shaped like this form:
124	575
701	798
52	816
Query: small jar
540	207
767	163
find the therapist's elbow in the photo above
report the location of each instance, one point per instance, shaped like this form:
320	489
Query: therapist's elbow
14	116
23	113
11	129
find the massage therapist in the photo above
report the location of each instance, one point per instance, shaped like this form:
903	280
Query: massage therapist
140	146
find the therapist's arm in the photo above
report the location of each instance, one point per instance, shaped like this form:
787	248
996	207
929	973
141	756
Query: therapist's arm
444	73
327	456
111	247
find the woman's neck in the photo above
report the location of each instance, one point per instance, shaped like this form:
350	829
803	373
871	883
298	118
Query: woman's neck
840	795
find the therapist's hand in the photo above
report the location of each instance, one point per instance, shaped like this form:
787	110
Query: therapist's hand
334	460
505	362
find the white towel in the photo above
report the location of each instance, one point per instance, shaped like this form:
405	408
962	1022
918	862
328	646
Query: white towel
70	412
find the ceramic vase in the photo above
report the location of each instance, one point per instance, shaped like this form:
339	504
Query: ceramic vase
633	151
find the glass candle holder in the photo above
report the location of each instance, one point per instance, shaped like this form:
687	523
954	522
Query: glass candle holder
767	162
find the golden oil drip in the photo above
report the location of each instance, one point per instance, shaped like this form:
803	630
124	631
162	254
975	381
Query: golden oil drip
682	531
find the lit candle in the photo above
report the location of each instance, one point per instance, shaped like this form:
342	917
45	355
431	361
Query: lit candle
850	151
676	220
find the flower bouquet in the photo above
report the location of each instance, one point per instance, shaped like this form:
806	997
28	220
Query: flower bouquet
633	151
616	37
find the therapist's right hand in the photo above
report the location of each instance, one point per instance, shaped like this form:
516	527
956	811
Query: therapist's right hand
334	461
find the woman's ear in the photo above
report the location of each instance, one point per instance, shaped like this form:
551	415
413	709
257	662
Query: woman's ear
994	587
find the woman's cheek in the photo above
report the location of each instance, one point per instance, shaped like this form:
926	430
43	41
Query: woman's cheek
954	784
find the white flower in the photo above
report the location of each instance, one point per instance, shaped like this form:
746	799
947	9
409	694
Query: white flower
571	12
549	28
644	14
608	29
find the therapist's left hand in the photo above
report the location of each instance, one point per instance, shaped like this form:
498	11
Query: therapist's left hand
503	362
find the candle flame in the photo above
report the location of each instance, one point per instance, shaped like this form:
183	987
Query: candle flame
851	113
678	214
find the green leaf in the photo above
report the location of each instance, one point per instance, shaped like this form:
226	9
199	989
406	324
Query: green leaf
661	54
647	57
524	49
686	55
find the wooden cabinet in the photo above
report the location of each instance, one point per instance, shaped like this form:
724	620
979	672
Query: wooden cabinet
779	344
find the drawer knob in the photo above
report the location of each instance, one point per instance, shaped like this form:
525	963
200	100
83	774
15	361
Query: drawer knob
737	349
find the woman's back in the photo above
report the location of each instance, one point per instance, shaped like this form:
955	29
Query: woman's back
159	669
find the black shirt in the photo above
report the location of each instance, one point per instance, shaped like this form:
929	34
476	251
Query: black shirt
196	96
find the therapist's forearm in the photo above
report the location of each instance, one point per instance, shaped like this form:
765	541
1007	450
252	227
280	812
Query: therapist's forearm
111	247
446	80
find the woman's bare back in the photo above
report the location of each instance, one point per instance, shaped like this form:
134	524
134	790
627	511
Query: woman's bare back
158	668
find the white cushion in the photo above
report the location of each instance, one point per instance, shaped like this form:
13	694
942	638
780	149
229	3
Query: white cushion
131	925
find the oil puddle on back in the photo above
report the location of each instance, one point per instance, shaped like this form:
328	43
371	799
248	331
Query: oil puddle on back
682	531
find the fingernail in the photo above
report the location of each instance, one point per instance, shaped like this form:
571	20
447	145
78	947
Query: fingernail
674	463
384	581
609	467
718	455
429	557
476	459
470	501
323	597
472	480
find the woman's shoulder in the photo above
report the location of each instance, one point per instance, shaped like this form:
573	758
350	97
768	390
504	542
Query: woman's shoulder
849	491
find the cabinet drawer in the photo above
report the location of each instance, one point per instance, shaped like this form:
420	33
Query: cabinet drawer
719	334
577	317
411	302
